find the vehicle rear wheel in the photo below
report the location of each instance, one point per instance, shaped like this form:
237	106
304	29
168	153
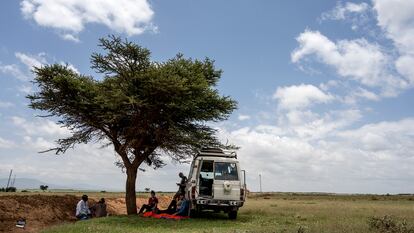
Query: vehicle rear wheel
233	214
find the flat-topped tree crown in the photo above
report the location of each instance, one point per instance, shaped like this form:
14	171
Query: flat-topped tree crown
142	107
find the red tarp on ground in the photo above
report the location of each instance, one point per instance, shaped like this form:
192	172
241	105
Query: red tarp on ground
163	216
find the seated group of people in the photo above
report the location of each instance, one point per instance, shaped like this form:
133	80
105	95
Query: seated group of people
83	211
179	205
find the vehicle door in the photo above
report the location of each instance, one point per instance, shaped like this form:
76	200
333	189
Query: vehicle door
226	181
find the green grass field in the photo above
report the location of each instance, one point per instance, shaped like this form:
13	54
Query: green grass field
275	213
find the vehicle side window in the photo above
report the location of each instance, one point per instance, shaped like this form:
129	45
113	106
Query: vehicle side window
206	171
225	171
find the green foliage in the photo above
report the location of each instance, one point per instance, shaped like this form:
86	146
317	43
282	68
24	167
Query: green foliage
10	189
143	107
388	224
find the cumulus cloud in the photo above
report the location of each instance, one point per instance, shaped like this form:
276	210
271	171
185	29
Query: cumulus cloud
300	96
361	159
396	19
132	17
356	59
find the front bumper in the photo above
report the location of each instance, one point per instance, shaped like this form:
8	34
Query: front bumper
218	203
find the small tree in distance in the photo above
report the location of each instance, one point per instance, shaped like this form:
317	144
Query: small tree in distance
143	108
43	187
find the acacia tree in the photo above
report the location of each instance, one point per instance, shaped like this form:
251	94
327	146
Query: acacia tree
142	107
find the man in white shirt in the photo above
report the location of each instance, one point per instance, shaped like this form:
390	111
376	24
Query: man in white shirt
82	209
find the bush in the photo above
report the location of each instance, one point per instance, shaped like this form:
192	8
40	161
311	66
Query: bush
11	189
388	224
24	191
2	190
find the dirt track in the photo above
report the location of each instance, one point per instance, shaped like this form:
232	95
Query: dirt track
41	211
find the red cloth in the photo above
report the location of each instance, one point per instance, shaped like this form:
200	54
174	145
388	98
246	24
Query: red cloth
163	216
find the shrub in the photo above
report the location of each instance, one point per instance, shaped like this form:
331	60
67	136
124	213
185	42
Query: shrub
11	189
389	224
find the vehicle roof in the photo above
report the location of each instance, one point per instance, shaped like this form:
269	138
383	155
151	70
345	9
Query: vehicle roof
217	158
217	152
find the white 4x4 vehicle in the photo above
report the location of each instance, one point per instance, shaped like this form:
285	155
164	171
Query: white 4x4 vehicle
216	182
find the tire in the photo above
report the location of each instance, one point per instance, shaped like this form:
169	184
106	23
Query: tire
233	214
193	214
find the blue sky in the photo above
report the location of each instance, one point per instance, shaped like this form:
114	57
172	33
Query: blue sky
324	87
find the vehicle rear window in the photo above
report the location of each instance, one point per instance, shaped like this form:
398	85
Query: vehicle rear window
225	171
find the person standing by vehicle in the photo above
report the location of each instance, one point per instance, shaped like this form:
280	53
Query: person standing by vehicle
82	209
152	204
182	184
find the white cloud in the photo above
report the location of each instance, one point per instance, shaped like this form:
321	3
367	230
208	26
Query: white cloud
243	117
40	127
360	93
30	60
70	37
301	96
14	71
357	59
396	18
363	159
71	67
70	16
341	11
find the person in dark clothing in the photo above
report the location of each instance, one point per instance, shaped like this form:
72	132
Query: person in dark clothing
99	209
152	204
181	185
172	208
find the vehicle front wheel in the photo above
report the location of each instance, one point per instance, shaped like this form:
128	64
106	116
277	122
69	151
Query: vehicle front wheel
233	214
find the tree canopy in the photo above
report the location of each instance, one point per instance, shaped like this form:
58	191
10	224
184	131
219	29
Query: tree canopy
143	108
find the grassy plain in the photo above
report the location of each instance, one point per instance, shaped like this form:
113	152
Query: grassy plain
277	212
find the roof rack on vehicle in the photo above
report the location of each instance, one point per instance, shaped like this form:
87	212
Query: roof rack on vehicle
216	152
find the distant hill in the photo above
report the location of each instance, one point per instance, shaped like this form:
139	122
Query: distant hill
28	183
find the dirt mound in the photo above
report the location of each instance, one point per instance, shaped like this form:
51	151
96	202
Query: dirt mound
41	211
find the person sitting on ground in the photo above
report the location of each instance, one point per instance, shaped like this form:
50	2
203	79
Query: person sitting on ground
172	208
182	184
182	206
152	204
82	209
99	209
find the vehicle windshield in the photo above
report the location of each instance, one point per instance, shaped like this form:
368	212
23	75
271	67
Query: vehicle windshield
225	171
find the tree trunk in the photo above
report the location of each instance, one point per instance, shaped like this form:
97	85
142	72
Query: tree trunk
130	195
